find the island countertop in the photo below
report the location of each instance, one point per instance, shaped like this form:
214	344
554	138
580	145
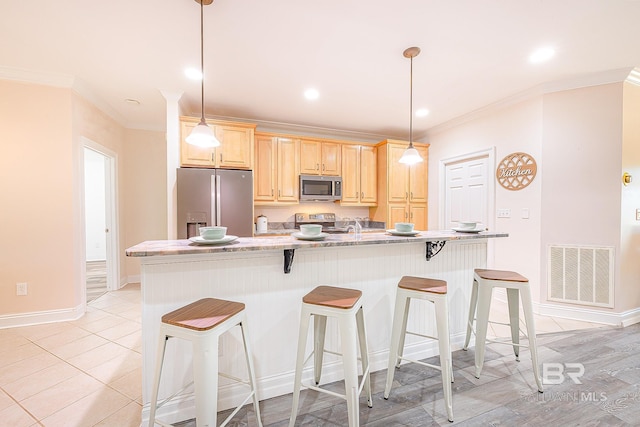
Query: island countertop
186	247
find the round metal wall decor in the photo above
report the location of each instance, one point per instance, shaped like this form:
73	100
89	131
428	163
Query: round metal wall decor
516	171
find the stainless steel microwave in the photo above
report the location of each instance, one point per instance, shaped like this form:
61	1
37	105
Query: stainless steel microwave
320	188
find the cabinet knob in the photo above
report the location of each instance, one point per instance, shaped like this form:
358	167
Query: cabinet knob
272	192
323	166
278	193
406	195
317	166
412	195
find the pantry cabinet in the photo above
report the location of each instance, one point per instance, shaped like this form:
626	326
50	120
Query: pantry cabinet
276	172
320	157
402	189
235	150
359	185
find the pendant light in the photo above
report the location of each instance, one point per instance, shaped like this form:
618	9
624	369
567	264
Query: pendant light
202	135
411	155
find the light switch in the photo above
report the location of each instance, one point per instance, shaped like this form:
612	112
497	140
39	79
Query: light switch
525	213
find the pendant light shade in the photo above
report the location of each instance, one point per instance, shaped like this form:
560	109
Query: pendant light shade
202	135
411	155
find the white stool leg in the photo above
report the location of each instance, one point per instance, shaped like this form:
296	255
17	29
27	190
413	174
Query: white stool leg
397	331
405	317
482	321
302	344
364	355
472	313
252	373
513	302
205	379
162	344
442	324
348	338
527	307
319	332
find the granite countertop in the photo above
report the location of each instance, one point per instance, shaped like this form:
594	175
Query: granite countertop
284	231
186	247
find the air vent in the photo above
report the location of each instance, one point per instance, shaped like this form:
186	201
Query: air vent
581	275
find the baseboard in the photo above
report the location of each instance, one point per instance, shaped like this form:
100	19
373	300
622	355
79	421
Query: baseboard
583	314
124	281
40	317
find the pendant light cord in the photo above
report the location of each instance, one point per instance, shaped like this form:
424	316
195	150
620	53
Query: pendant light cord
202	60
411	105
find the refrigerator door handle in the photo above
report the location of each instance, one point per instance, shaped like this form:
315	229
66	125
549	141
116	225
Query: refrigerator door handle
218	208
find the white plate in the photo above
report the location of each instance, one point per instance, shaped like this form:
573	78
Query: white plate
466	230
200	241
403	233
301	236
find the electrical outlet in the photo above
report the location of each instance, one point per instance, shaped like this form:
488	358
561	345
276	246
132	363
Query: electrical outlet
21	288
504	213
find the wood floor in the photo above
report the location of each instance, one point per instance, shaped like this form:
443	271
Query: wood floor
96	279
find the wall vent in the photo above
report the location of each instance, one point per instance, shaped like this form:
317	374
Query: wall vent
581	275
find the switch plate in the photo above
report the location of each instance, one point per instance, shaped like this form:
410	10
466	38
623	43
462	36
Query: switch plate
21	288
525	213
504	213
637	214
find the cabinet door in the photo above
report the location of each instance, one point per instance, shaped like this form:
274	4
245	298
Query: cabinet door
418	178
397	213
331	164
310	157
288	175
264	178
418	215
235	149
350	174
190	155
368	175
398	180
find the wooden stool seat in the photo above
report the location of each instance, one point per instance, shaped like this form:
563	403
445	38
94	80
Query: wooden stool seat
422	284
203	314
506	276
329	296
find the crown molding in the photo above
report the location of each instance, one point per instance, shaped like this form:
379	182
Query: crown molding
595	79
31	76
634	77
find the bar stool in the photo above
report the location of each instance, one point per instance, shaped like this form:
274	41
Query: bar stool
345	306
434	291
202	323
516	285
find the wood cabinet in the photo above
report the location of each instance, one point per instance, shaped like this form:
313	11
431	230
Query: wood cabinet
402	189
235	150
275	178
320	157
359	185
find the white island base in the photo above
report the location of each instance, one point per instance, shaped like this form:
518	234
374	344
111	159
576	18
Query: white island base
273	305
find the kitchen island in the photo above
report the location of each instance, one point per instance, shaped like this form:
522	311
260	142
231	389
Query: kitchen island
270	275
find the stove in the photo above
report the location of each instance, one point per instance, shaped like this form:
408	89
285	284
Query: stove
327	220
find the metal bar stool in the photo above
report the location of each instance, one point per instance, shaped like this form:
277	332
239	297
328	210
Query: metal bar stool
517	286
202	323
345	306
434	291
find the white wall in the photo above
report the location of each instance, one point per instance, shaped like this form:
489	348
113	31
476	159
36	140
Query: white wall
94	210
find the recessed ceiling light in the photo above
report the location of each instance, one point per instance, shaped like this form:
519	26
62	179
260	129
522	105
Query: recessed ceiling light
131	101
422	112
311	94
541	55
193	74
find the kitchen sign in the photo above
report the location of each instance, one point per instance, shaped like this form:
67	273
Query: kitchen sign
516	171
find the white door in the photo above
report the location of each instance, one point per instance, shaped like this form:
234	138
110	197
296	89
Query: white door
467	191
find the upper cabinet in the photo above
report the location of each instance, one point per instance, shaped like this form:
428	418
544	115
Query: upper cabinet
276	169
359	185
235	150
402	189
320	158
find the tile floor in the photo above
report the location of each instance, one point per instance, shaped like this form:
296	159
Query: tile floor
88	372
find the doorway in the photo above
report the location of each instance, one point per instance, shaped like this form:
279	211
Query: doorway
468	193
101	261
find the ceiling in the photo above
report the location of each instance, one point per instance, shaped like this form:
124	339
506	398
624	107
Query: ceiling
261	55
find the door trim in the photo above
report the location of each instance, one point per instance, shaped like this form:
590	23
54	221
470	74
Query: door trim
111	217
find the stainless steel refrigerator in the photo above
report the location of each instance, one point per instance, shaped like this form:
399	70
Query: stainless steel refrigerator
214	197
